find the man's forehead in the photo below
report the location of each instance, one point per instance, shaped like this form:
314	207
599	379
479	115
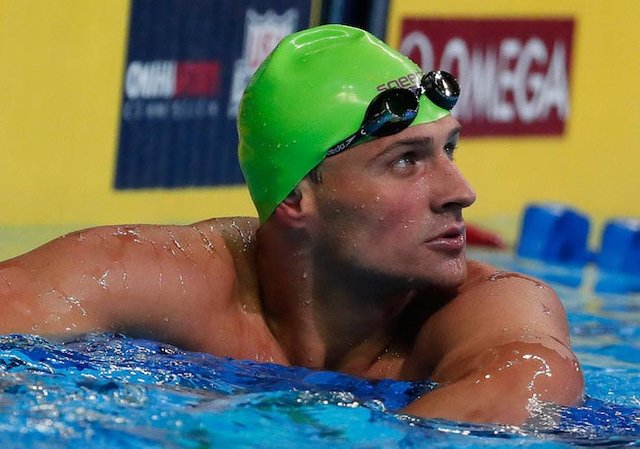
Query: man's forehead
444	128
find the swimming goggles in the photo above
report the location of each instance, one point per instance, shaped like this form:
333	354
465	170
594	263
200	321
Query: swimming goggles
394	109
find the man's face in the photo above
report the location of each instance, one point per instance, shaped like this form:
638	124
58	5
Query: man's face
393	206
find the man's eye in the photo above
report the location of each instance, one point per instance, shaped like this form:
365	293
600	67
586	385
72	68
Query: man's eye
449	149
405	161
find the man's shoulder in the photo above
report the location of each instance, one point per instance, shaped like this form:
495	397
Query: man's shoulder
236	234
238	237
200	275
498	304
216	236
477	273
210	253
493	306
481	276
488	286
232	229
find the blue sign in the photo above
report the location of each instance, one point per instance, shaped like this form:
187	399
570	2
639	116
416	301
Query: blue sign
188	62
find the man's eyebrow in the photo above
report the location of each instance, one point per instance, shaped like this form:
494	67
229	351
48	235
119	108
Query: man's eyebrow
408	142
423	141
455	132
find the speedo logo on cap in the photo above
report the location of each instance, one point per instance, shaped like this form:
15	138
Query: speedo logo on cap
404	82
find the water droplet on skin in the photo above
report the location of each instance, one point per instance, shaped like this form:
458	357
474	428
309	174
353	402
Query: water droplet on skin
102	280
545	309
306	302
381	219
377	199
53	318
74	301
124	280
130	232
175	242
304	275
246	239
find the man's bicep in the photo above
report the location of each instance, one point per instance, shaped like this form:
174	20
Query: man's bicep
174	283
81	282
46	290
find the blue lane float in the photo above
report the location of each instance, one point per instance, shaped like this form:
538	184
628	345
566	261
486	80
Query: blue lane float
557	235
619	257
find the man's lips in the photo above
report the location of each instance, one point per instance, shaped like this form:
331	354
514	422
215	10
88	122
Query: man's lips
452	239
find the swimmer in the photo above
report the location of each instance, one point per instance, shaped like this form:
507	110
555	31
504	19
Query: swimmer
357	260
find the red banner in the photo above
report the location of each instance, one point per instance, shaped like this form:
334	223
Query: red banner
514	73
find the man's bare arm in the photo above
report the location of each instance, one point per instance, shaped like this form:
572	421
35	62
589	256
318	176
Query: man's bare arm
503	353
149	280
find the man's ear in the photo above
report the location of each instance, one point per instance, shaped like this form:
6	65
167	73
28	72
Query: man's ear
293	209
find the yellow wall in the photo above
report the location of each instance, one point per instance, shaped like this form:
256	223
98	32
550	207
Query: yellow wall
60	91
595	166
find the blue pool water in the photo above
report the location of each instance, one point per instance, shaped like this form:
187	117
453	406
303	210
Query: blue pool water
110	391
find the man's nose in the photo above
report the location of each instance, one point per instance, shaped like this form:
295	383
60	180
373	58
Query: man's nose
450	189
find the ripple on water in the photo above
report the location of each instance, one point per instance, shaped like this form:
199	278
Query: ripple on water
115	391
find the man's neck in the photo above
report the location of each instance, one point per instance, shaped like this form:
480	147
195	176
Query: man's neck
323	315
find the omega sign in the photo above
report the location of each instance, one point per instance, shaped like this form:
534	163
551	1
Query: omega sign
514	74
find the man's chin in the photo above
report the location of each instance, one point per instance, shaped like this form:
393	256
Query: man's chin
448	284
449	277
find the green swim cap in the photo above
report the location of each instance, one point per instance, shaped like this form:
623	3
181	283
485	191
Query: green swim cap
310	93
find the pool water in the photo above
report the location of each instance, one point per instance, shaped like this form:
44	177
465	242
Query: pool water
106	390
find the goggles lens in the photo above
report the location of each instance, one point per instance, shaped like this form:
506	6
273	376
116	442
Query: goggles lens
393	110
